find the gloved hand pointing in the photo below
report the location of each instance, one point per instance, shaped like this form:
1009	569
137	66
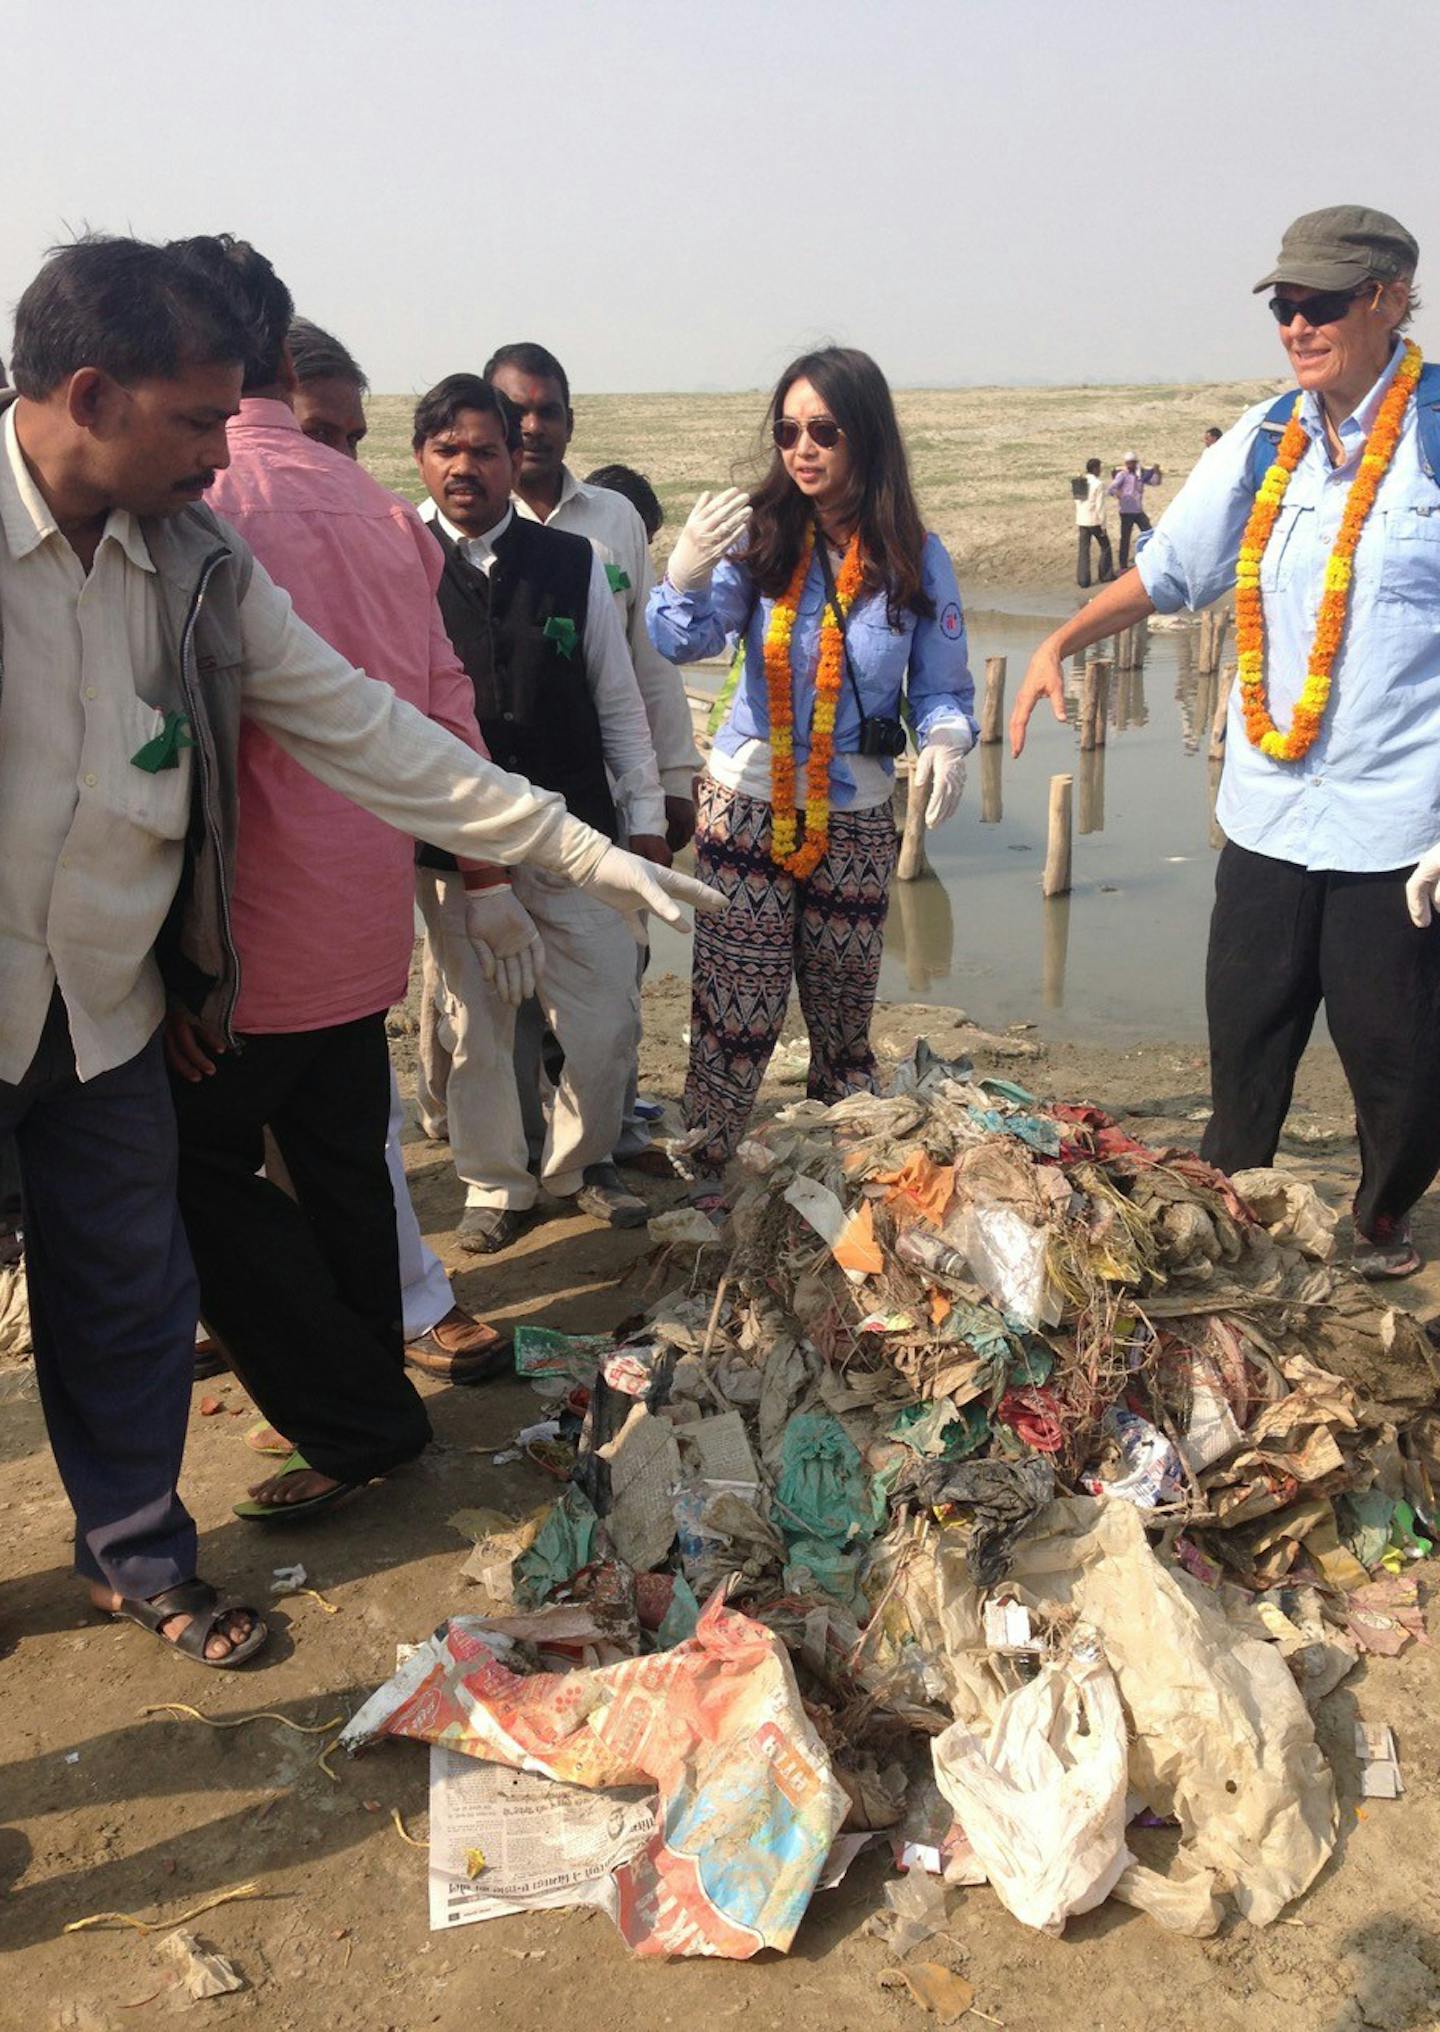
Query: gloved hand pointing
633	886
1423	887
715	523
940	771
506	943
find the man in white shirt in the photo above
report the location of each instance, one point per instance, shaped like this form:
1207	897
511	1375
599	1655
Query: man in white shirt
1090	526
546	490
530	613
136	629
535	382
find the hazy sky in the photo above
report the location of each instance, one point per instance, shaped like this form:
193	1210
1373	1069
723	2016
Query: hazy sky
679	195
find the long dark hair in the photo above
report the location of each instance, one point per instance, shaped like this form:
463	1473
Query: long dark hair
892	535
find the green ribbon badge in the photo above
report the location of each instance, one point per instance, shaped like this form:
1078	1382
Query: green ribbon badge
560	630
164	751
619	580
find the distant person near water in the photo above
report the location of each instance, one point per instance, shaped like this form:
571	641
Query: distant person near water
1090	526
1128	489
1322	510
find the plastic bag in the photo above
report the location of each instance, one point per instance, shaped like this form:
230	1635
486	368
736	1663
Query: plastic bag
1007	1255
823	1508
748	1803
1042	1803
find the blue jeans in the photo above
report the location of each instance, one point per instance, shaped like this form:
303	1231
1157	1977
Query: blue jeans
112	1303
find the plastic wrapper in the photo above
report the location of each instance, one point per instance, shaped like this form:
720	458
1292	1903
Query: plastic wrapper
1042	1798
748	1806
1220	1734
1151	1467
1008	1258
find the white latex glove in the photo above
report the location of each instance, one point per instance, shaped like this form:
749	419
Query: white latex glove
506	943
715	522
1423	887
633	886
940	772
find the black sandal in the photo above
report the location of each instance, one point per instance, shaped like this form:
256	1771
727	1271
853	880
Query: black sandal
199	1601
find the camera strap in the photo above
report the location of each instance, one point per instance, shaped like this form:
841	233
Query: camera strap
833	601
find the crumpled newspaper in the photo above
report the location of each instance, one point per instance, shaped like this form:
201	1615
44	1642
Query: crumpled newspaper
748	1802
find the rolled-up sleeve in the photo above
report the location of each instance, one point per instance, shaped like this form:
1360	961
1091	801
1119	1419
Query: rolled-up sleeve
940	687
624	727
688	626
1188	559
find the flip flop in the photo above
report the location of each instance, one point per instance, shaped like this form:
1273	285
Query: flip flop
206	1610
280	1513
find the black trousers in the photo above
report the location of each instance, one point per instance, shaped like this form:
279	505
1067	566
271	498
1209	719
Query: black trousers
1283	940
304	1292
1083	537
1128	526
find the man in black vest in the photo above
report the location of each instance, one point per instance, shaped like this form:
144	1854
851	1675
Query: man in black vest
532	619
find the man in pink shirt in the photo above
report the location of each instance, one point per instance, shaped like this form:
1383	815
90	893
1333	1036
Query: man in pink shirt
306	1296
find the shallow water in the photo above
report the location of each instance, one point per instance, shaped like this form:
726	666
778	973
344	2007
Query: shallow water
1122	958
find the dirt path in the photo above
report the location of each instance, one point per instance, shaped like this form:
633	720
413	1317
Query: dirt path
103	1809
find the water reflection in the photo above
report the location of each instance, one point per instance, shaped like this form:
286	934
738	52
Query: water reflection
921	931
1090	785
1056	918
992	806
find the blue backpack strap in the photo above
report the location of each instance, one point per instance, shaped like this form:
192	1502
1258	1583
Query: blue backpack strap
1268	436
1427	421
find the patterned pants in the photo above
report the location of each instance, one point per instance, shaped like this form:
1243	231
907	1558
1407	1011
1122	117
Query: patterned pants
826	934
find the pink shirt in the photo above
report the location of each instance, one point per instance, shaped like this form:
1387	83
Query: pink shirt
323	909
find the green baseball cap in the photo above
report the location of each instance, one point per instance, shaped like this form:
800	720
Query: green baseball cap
1342	247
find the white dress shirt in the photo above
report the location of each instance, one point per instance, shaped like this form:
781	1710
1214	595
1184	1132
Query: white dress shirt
91	846
624	726
615	532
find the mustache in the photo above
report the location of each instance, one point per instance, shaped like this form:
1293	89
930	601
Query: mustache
205	479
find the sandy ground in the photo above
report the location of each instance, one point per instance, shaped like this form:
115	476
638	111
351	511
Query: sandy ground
103	1809
992	466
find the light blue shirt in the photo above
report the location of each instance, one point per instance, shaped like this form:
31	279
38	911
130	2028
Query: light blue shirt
1367	795
687	626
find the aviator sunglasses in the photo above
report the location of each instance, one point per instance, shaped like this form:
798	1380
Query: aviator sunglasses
1327	307
823	432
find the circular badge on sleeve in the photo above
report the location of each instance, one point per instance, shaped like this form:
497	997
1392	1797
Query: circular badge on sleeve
950	623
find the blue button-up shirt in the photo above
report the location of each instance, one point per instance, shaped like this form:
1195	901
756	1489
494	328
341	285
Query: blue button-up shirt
1367	795
688	626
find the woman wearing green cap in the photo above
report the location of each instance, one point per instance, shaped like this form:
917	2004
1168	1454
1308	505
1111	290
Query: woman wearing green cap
1322	511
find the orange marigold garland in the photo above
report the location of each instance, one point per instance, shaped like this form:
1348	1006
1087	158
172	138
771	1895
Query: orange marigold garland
1339	571
785	852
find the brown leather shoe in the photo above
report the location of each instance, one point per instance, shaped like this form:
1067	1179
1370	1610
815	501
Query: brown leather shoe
461	1349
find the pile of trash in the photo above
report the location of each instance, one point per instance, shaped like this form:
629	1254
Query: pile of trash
996	1487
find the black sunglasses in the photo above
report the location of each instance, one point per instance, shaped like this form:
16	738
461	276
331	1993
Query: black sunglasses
1328	307
823	432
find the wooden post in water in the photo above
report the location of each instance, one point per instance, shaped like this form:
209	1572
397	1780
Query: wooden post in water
1095	703
992	720
1214	624
1056	879
992	808
1090	799
1089	706
912	865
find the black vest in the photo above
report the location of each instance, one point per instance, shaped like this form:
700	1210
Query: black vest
520	633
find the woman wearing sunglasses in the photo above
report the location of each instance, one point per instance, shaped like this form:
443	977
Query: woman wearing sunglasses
848	613
1322	510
